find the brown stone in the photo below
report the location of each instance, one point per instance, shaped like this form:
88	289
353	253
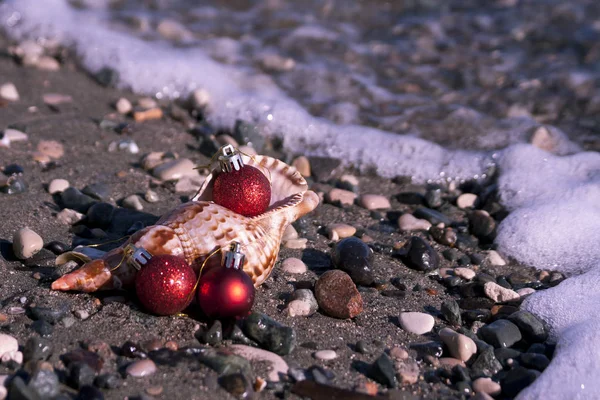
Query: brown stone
147	115
337	295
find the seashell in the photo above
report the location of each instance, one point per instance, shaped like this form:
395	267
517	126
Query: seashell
196	229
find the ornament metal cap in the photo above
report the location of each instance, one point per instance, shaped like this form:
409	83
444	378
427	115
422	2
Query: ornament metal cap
234	258
230	159
137	256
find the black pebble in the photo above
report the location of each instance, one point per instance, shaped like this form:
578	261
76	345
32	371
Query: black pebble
108	381
382	370
57	247
43	328
212	336
418	254
451	312
16	185
36	349
516	380
363	348
13	169
131	349
80	375
354	257
89	392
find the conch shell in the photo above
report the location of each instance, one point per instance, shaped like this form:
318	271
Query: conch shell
198	228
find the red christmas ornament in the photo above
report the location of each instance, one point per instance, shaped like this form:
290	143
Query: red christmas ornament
241	188
227	291
164	284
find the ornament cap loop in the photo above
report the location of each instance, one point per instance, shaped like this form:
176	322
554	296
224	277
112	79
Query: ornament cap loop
137	256
234	258
230	159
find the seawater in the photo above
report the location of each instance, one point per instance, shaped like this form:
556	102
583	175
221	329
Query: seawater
356	80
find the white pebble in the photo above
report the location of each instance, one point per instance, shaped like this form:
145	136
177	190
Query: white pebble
466	200
340	231
151	196
47	63
494	258
147	103
416	322
344	197
175	169
325	355
487	386
374	202
460	346
298	308
8	344
408	222
141	368
498	293
123	106
526	291
58	186
302	164
289	233
26	243
12	135
293	266
133	202
81	314
200	98
8	91
465	273
69	217
299	244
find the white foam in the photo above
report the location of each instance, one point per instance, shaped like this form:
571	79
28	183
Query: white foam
555	216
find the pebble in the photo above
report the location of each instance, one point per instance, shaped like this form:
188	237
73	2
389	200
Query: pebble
200	98
148	115
151	196
516	380
493	258
416	322
298	244
535	361
529	325
26	243
408	222
8	344
237	385
340	231
303	303
81	314
450	362
212	336
349	182
337	295
74	199
174	169
487	386
270	334
45	382
340	196
56	99
325	355
141	368
466	200
9	92
374	202
465	273
459	345
382	370
278	364
418	254
354	257
69	217
47	63
524	292
451	312
486	364
498	293
500	333
408	372
58	186
10	136
433	216
133	202
293	266
289	233
302	164
123	106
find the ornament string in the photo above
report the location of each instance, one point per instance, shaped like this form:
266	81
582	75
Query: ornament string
96	245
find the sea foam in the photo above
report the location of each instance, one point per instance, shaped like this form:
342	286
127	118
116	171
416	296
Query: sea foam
555	216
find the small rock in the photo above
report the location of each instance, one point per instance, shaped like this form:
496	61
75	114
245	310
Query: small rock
433	216
45	382
487	386
8	344
486	364
340	197
408	222
433	197
81	314
530	325
374	202
418	254
451	312
303	303
498	293
466	200
500	333
348	182
69	217
148	115
493	258
200	98
516	380
465	273
481	223
337	295
151	196
450	362
354	257
293	266
56	99
398	353
277	63
298	244
363	347
536	361
524	292
408	372
26	243
36	349
416	322
141	368
302	164
133	202
340	231
434	349
19	390
47	63
80	375
382	371
459	345
213	336
270	334
58	186
9	92
237	385
10	136
289	233
123	106
76	200
174	169
325	355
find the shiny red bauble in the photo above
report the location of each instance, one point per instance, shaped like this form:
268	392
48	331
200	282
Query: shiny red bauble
165	284
225	293
246	191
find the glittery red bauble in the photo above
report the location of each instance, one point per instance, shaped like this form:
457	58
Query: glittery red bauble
165	284
247	191
225	293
